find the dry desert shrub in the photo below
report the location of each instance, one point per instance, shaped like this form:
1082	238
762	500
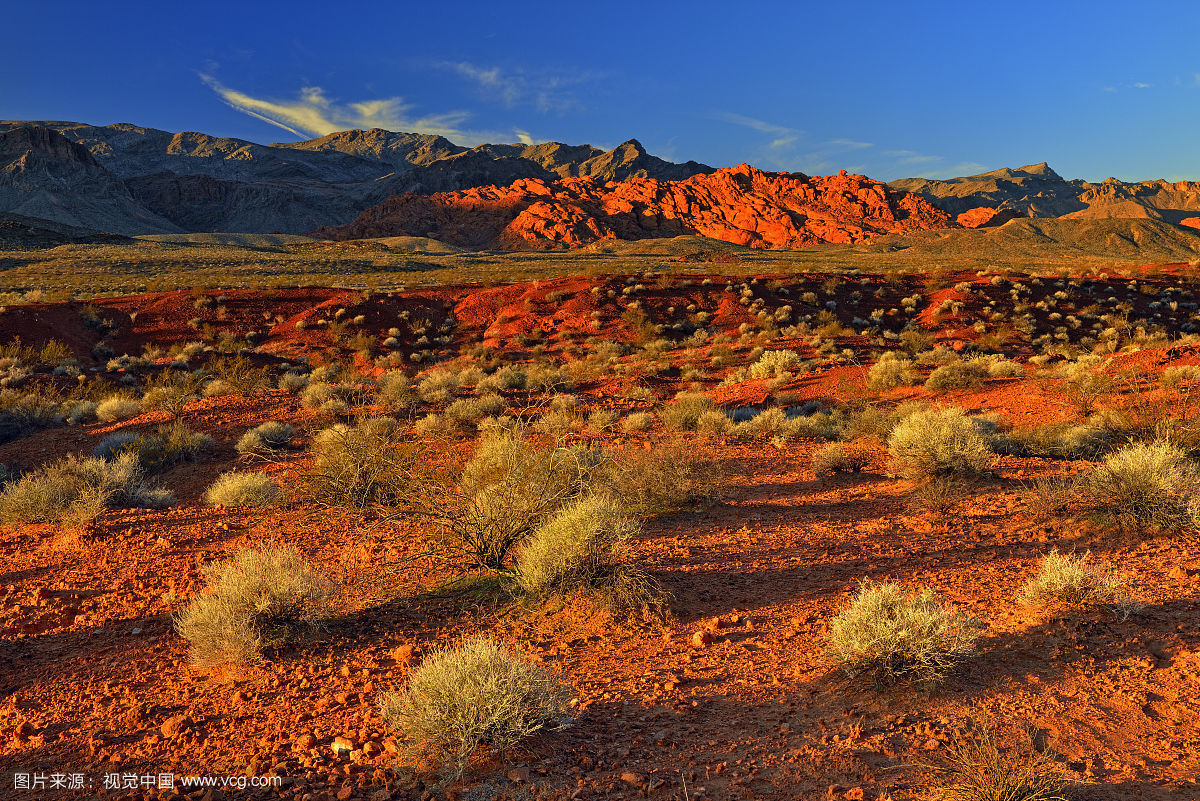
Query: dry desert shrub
172	444
21	414
508	489
270	437
714	423
1148	484
684	412
1065	581
117	408
360	466
636	422
586	547
396	394
663	481
476	693
893	369
80	490
242	489
888	637
974	768
1086	381
774	363
261	598
837	458
940	442
957	375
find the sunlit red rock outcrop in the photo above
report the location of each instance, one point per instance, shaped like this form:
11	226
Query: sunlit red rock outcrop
739	204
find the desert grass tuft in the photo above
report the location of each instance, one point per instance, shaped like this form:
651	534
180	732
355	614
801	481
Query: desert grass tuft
975	768
1066	581
888	637
586	547
477	693
940	442
79	490
242	489
262	598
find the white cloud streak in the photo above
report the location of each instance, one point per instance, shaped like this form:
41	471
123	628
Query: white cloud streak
313	114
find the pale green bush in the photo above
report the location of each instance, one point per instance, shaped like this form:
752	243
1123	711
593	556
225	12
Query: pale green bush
117	408
242	489
260	599
1065	581
940	442
887	636
477	693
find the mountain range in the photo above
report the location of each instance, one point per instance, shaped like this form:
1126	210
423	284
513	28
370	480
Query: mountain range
131	180
127	179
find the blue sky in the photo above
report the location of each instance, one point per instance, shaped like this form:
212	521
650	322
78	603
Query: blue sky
889	89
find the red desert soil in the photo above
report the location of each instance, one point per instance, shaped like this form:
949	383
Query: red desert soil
737	204
94	680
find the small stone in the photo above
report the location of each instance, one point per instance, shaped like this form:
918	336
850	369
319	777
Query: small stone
631	778
341	746
403	654
345	793
702	638
24	731
519	774
304	742
854	794
175	725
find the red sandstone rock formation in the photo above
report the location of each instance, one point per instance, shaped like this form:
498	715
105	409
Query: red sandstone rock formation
738	204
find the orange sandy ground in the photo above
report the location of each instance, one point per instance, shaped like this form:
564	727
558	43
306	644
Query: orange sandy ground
90	667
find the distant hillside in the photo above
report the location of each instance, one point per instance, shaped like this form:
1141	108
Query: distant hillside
739	204
1048	240
133	180
1038	191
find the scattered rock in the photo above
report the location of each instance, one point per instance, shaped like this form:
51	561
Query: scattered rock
634	779
703	638
341	746
176	725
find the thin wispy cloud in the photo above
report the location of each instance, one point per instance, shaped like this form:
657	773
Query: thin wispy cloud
1140	85
762	126
312	113
547	92
849	144
908	157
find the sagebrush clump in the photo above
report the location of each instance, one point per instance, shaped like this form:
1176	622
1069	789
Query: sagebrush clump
585	546
270	437
1148	484
80	490
242	489
476	693
887	636
940	442
260	599
1066	581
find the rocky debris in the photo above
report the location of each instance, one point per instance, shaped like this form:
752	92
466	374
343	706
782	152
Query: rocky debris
175	726
342	746
741	205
